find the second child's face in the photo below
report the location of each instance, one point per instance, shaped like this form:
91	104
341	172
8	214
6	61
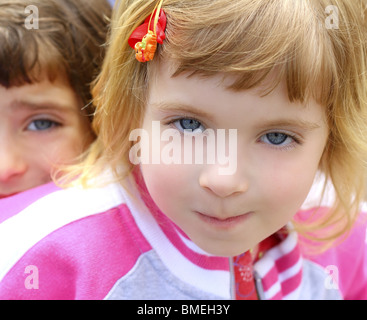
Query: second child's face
41	126
279	145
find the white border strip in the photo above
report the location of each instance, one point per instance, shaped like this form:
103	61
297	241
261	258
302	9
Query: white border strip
21	232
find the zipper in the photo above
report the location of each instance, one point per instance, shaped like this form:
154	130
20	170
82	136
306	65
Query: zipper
257	279
258	286
232	280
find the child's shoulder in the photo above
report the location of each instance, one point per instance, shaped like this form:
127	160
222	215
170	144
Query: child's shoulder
12	205
74	229
345	263
55	206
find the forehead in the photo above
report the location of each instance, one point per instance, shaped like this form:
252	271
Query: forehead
44	94
211	98
252	38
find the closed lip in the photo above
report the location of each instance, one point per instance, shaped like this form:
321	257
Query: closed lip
224	222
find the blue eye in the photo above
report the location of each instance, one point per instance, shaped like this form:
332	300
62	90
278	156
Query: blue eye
189	124
277	139
41	125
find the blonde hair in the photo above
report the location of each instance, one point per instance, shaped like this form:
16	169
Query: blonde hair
248	39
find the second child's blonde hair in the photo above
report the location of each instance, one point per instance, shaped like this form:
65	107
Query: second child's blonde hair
249	39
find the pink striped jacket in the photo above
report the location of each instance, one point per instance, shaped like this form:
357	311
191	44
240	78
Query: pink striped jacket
100	244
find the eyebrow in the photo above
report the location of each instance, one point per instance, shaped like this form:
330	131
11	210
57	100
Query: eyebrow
183	108
267	124
290	123
44	105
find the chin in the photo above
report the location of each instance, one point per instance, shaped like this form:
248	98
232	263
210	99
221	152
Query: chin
224	250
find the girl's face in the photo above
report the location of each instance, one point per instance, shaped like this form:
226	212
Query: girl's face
41	126
278	149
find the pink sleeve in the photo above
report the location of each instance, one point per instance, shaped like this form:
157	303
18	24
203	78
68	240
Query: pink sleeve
81	260
349	260
39	276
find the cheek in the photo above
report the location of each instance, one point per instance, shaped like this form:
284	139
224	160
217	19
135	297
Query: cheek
170	186
64	147
287	187
38	169
293	173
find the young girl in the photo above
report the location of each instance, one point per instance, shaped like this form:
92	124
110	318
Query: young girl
50	52
148	218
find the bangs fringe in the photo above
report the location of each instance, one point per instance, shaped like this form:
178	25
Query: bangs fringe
255	42
26	59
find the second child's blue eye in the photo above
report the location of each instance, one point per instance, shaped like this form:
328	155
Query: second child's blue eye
41	125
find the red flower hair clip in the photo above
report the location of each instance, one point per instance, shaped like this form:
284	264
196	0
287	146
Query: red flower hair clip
144	38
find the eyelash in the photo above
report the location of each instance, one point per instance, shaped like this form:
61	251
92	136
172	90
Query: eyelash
173	125
295	138
53	124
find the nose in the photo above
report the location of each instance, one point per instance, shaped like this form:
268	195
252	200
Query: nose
12	163
221	185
